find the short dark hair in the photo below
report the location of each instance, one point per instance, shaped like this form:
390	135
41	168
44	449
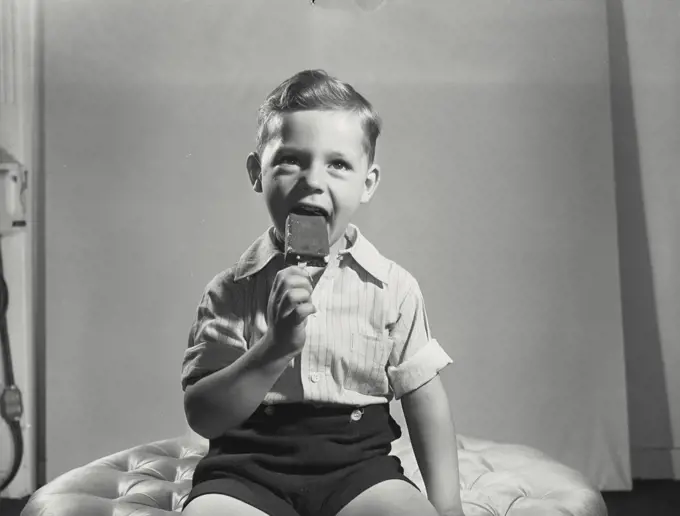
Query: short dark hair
316	90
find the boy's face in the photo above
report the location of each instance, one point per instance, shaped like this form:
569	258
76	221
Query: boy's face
318	159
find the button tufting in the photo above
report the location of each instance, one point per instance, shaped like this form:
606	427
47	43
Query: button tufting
149	476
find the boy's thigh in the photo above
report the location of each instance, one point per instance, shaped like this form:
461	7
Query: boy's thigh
220	505
389	498
235	497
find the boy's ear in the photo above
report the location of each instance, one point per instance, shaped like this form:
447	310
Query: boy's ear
371	183
254	171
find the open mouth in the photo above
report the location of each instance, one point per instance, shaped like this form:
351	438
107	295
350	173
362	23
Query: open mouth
305	209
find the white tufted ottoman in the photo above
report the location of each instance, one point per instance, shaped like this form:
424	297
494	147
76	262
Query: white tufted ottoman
154	479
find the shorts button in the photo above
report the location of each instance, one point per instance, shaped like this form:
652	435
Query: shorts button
356	415
269	410
315	377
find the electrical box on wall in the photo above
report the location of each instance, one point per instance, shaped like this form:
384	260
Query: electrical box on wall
13	185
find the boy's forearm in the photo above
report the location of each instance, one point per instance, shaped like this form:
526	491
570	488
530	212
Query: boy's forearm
433	437
440	468
226	398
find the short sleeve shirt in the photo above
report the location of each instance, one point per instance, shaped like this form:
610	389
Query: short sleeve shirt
368	343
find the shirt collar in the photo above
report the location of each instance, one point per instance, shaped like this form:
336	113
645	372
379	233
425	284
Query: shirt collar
258	255
265	248
365	254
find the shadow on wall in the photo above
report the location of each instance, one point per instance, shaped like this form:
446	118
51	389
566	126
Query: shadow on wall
648	404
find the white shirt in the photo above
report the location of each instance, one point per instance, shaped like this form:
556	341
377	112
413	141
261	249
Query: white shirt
368	343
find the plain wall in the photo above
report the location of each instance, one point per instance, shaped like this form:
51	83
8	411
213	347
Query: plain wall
645	66
497	194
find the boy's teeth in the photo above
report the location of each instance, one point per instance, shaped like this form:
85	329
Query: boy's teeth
303	209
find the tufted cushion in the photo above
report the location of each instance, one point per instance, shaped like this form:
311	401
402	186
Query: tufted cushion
154	479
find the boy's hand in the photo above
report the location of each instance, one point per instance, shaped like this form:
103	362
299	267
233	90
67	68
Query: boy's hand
288	308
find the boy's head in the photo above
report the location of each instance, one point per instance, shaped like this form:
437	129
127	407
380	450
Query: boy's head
315	90
315	147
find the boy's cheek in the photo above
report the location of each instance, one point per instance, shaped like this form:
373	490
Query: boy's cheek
278	213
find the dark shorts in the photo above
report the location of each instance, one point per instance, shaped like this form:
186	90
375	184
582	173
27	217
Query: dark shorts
301	459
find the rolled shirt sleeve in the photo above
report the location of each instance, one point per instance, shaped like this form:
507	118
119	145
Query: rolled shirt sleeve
216	338
416	357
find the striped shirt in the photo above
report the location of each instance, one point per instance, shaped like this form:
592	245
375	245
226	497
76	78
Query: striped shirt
368	343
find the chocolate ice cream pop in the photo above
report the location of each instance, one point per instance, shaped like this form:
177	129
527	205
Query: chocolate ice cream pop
306	239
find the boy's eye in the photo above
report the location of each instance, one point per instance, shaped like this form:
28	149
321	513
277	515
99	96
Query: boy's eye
339	164
289	160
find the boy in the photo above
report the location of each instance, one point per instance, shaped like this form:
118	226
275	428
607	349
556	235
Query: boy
289	370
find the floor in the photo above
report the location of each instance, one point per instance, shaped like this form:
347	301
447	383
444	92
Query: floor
9	507
654	498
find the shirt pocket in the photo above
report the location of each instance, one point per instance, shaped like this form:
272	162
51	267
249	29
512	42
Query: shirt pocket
365	364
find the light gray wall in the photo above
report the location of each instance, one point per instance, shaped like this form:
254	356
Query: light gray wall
17	137
645	65
497	195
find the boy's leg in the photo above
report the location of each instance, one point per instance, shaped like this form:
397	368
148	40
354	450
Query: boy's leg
237	497
389	498
220	505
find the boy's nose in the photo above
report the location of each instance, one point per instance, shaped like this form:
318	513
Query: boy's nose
313	176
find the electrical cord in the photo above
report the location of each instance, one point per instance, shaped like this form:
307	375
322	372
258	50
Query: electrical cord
11	407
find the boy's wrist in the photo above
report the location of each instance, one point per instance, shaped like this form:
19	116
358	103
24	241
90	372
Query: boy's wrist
452	512
447	504
271	354
449	509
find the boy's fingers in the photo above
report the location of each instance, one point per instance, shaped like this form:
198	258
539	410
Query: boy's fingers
299	312
298	295
302	311
295	270
298	279
293	298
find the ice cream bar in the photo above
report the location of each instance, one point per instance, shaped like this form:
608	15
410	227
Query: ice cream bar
306	240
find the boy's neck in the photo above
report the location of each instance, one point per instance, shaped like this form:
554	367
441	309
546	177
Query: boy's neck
341	244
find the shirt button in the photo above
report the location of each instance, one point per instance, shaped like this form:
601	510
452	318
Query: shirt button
315	377
356	415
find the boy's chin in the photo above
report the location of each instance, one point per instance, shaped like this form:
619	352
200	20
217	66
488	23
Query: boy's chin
337	235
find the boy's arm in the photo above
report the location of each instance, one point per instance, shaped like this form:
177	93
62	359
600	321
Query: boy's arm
413	371
224	380
432	432
229	396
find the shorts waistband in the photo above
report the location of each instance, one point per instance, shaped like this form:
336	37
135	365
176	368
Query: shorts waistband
316	409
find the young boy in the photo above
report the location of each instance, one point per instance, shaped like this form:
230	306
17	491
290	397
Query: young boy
289	370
